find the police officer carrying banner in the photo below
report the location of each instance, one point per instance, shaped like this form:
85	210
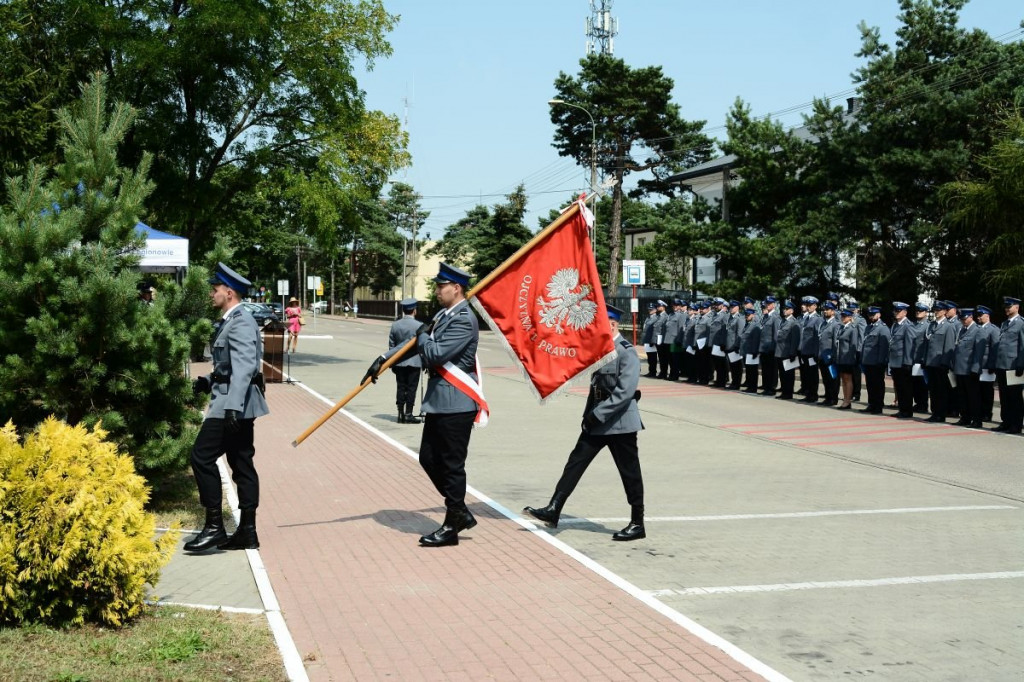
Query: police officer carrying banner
237	390
407	371
453	402
610	419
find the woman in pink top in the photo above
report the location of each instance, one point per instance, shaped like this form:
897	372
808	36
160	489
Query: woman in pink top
294	315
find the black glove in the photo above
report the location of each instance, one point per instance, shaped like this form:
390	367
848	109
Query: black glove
1019	372
231	421
373	371
425	328
792	359
201	385
589	422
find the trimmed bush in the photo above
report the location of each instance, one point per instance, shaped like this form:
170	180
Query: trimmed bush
76	544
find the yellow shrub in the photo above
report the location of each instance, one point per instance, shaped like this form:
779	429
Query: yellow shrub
76	544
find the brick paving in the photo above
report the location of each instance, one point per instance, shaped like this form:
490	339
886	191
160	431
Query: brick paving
339	521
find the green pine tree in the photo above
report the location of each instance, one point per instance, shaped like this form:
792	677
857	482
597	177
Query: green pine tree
75	342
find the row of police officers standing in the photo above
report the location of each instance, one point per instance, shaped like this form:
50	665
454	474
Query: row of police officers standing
945	361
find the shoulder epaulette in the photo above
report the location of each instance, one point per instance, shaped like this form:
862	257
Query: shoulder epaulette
625	343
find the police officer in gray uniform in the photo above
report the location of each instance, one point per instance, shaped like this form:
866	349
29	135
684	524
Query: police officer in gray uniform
718	336
901	360
828	335
702	343
770	323
647	339
733	329
1010	361
237	390
610	419
661	340
940	342
452	336
967	370
689	341
862	326
848	343
675	330
920	328
875	358
810	325
407	371
787	348
750	345
985	351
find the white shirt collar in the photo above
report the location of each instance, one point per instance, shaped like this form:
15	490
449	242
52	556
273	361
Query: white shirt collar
230	310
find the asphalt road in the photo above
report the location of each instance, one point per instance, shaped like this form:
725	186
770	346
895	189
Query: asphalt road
830	545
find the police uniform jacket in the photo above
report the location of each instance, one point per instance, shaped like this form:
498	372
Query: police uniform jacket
690	334
701	328
770	324
1010	349
403	329
938	352
750	339
612	390
920	330
672	322
237	351
787	343
685	323
733	329
810	324
647	337
660	320
875	348
848	344
828	335
985	346
717	332
454	338
964	361
901	344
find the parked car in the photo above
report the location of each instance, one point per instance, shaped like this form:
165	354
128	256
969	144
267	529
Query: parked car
278	308
319	307
263	313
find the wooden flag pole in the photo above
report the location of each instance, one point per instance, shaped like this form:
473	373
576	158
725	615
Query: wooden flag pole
566	215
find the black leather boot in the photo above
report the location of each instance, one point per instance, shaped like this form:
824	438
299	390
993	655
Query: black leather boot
551	513
212	534
410	418
448	534
245	536
401	416
635	529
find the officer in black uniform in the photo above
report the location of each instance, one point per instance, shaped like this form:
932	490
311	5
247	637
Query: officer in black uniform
236	386
611	419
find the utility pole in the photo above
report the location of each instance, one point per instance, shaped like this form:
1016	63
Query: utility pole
601	28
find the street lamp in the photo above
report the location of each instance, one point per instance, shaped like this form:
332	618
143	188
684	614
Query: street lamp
593	162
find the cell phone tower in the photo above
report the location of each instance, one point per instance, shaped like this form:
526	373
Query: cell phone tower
601	28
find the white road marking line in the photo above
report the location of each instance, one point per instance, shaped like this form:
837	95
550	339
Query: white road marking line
791	515
824	585
293	666
694	628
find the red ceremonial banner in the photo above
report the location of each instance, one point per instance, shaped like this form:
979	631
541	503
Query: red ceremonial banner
549	308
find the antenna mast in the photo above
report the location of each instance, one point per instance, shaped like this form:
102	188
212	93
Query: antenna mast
601	28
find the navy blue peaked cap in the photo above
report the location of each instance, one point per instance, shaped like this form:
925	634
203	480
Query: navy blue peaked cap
450	273
222	274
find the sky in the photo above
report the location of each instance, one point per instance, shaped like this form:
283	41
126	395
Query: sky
471	79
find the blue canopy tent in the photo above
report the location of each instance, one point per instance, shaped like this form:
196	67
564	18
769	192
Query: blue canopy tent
166	253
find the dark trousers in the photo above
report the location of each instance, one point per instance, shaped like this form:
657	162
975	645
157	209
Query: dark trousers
735	373
721	365
987	393
920	394
675	364
938	390
903	385
787	378
856	383
1011	400
443	449
769	373
215	440
751	378
664	353
627	460
968	397
831	383
687	366
407	380
808	377
652	363
704	365
874	377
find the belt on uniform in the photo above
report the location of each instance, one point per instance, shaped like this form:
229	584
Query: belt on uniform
257	380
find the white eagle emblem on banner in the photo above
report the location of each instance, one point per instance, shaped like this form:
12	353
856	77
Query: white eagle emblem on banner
568	303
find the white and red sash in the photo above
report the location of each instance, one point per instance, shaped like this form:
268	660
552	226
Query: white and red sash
473	389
